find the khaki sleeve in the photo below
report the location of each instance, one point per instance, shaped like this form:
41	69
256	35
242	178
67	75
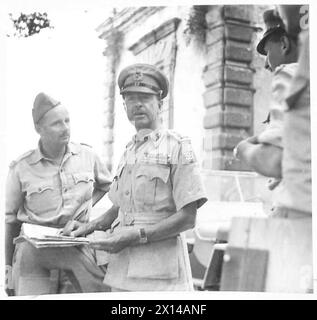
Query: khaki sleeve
186	178
14	196
112	195
102	175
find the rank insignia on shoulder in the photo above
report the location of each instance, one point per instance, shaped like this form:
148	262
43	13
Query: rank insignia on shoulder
188	155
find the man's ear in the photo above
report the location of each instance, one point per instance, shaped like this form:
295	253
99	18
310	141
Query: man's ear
160	104
37	128
286	45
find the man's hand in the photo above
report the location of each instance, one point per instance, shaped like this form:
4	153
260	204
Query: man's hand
76	229
8	281
117	241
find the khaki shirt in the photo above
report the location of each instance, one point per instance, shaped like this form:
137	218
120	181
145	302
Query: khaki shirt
280	87
296	161
157	176
161	175
42	192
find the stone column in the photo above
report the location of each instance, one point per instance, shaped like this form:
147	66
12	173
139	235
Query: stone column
108	113
113	52
228	78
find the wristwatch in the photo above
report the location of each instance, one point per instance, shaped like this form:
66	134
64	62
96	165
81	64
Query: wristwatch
143	237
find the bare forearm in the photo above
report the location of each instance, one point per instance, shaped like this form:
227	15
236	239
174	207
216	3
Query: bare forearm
11	231
263	158
97	195
105	220
175	224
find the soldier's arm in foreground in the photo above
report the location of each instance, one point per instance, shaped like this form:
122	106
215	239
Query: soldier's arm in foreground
103	222
183	220
264	159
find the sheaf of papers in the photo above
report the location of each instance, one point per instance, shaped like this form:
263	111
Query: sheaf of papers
47	237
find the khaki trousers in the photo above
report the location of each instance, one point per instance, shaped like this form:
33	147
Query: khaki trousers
32	269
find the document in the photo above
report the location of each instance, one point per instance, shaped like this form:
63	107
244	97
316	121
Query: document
47	237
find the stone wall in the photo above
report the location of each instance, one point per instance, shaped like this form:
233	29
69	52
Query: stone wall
228	78
216	96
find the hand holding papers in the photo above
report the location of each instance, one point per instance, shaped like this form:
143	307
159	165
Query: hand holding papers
47	237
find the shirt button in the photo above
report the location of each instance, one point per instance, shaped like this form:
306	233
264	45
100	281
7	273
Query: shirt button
127	192
65	190
130	171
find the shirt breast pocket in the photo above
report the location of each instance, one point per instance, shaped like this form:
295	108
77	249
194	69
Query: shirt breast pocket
41	197
84	181
152	184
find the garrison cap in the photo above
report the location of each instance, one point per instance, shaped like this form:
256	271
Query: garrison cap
42	104
274	24
144	78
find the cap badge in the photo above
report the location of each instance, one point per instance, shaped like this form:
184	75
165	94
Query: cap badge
138	77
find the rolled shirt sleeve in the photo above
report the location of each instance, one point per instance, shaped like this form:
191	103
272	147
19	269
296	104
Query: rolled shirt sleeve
186	177
102	175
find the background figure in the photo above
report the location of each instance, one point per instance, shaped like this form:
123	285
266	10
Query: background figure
50	185
296	163
263	153
155	193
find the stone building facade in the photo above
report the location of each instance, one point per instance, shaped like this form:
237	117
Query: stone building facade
223	71
218	86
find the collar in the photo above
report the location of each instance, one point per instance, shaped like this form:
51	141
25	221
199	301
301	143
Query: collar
145	134
38	155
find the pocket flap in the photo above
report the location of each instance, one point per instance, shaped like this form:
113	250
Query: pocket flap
38	188
83	177
152	172
155	260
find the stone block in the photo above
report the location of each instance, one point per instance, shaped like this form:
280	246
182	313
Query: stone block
213	97
241	13
216	117
213	118
238	75
237	52
215	53
215	35
239	33
213	76
236	119
238	96
214	15
228	73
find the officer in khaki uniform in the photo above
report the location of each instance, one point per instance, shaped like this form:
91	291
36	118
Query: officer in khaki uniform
155	194
57	182
264	152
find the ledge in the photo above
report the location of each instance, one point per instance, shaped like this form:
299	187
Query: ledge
155	35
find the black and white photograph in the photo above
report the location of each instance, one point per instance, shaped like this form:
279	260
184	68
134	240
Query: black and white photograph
155	148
